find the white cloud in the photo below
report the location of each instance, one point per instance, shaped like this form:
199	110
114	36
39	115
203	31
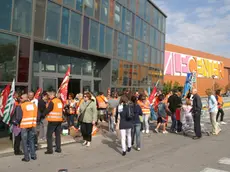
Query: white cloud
202	29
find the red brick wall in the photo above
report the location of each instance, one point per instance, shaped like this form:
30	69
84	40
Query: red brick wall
202	82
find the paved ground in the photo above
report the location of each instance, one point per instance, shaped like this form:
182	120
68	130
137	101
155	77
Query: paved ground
174	153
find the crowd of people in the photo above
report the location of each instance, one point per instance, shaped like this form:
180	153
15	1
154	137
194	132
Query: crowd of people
128	115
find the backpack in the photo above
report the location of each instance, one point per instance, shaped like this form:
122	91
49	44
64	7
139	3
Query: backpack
130	114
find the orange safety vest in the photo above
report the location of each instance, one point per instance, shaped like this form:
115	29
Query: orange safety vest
220	101
29	115
101	102
144	106
56	114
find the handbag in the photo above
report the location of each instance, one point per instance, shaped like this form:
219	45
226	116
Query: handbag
81	116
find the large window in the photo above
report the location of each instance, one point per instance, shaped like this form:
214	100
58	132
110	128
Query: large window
48	61
140	47
97	9
79	5
130	49
145	37
85	39
109	41
63	63
8	51
137	27
69	3
151	36
5	14
102	39
142	8
65	26
128	22
120	47
155	17
39	18
104	11
94	35
117	16
75	29
53	21
89	6
115	72
22	16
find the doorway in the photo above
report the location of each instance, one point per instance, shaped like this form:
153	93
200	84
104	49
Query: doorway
74	85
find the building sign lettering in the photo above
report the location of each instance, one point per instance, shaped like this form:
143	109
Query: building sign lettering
177	64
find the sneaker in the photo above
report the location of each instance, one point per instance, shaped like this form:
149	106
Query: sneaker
147	131
85	143
123	153
138	149
88	144
165	132
129	150
223	123
143	131
156	130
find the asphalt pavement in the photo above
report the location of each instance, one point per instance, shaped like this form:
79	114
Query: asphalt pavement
159	152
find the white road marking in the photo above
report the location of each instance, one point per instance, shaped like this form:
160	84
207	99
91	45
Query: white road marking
225	161
212	170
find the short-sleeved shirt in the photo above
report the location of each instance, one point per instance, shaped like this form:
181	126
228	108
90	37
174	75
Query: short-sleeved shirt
162	110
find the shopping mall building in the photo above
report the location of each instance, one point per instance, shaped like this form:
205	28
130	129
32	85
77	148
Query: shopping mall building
107	43
212	71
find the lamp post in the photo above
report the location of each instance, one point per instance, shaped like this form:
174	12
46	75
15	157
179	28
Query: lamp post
213	83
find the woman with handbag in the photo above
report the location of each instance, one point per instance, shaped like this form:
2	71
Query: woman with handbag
87	118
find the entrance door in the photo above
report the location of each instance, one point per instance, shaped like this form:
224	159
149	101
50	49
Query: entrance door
49	83
74	85
86	85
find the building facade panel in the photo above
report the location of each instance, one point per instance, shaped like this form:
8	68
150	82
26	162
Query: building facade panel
123	37
180	60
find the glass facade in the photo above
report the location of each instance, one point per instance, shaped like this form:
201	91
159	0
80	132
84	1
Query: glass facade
130	35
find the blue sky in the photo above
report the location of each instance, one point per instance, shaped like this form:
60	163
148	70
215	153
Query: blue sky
198	24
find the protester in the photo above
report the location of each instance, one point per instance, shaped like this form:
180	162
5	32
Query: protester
42	123
162	114
126	124
102	104
145	106
70	110
136	130
212	109
196	111
186	116
87	118
220	101
54	116
26	117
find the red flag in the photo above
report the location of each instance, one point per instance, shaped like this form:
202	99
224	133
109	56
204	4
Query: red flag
153	94
63	89
38	93
5	94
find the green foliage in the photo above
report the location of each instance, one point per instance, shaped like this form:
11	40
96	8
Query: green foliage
169	85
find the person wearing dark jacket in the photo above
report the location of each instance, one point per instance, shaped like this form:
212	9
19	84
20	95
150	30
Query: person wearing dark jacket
174	102
196	111
136	130
126	124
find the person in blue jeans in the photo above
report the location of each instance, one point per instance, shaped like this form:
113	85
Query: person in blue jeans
136	130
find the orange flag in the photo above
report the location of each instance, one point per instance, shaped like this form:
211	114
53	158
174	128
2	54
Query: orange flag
63	89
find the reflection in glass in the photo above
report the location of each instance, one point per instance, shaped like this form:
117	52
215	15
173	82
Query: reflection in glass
87	67
65	26
36	60
117	16
128	22
22	18
76	65
137	27
97	86
39	18
94	35
97	9
104	11
102	39
49	84
85	33
8	51
75	29
5	14
115	69
79	5
89	5
97	67
23	62
109	41
63	63
53	21
48	61
130	49
69	3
